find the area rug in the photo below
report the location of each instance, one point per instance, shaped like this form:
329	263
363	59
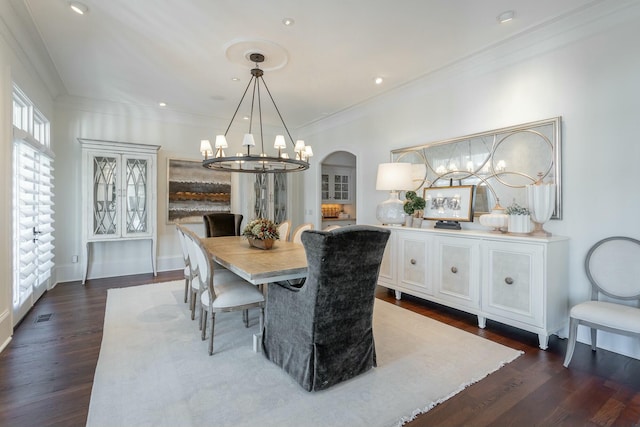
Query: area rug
154	370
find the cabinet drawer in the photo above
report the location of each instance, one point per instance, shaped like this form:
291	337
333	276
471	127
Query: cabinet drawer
513	282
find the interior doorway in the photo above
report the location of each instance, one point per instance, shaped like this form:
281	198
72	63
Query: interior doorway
338	189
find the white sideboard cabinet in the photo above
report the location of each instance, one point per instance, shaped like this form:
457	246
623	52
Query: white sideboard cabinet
118	195
517	280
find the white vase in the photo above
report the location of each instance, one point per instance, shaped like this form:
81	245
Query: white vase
541	199
519	224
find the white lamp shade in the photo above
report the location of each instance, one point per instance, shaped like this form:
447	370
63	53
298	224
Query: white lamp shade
280	142
205	147
394	176
299	146
308	151
221	141
248	140
418	173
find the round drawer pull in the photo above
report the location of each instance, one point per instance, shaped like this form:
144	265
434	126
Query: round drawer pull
454	270
508	280
413	261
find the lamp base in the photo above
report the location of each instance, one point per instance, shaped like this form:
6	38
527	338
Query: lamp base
391	211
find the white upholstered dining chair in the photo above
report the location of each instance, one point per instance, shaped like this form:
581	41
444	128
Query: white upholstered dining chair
298	232
220	290
331	227
613	269
195	289
284	229
188	275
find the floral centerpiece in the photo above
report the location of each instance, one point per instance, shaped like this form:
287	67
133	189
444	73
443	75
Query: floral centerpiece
261	233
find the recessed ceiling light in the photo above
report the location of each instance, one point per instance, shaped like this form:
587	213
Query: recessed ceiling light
162	104
506	16
378	80
79	8
235	79
245	118
288	22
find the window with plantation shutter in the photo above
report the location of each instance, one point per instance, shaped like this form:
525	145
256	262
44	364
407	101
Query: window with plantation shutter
33	202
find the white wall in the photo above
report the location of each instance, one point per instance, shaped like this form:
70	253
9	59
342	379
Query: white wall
588	74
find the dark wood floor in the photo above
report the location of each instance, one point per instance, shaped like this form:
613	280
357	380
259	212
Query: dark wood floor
46	372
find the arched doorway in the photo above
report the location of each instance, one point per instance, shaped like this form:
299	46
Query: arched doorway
338	189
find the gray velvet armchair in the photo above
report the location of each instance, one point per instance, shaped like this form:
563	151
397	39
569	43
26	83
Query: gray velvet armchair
321	332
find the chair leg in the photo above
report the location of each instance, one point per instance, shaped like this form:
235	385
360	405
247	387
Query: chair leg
192	306
262	319
202	315
594	338
213	324
245	317
203	323
186	289
571	344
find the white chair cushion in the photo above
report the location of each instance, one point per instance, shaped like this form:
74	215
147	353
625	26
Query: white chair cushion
221	276
233	294
607	314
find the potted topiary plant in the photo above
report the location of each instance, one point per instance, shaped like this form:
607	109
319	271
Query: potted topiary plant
413	207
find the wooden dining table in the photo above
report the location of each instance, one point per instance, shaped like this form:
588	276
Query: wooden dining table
284	261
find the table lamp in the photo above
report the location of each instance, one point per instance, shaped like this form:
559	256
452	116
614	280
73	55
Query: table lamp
392	177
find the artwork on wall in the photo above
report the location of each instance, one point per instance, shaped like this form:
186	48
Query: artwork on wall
194	191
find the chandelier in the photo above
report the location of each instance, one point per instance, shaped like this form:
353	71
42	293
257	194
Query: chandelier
249	161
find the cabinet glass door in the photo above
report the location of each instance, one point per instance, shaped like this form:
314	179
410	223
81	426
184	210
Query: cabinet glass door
105	205
340	187
279	197
136	195
270	196
324	186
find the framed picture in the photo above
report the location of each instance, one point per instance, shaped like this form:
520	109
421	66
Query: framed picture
194	191
449	203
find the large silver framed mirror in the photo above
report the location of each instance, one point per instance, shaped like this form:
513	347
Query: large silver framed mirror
500	162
